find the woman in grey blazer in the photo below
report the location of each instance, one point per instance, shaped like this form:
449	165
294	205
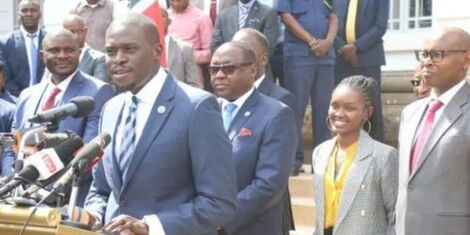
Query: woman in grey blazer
355	177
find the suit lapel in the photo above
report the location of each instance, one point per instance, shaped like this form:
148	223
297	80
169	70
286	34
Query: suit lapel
86	60
72	90
116	119
243	114
157	118
321	163
40	66
21	47
355	177
35	105
449	115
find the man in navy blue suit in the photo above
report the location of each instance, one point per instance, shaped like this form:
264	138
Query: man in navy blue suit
263	133
61	54
19	50
359	46
169	168
264	84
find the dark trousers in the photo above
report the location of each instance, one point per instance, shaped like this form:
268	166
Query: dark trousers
315	83
343	70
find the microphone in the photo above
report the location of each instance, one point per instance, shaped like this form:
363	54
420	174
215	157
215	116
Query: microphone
44	164
83	157
78	107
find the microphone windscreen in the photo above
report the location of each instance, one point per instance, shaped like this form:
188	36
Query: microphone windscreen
85	105
66	149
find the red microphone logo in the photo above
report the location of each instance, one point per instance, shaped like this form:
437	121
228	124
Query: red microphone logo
49	163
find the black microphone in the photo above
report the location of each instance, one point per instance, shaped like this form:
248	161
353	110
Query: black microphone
44	164
78	107
83	157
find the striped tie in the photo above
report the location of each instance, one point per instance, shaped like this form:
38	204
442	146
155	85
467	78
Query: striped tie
244	9
128	140
34	53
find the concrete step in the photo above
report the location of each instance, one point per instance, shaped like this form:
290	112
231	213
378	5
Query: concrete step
301	185
304	211
303	203
302	231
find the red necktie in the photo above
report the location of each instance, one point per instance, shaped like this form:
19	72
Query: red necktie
424	133
51	100
213	11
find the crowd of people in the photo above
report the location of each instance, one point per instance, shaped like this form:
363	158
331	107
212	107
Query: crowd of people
206	121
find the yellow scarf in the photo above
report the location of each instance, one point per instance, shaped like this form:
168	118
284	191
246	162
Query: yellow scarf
334	187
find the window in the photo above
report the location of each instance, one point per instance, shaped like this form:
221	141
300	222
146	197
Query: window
410	14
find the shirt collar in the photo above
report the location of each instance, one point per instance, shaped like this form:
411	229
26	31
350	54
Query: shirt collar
240	101
259	81
249	4
64	84
149	93
449	94
26	33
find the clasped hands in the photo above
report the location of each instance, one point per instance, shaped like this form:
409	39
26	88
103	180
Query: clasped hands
320	47
349	53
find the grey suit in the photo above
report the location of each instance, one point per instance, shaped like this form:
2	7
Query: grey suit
260	17
93	63
435	198
367	204
181	61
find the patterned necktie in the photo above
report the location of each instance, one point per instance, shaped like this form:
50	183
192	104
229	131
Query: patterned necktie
228	114
424	133
128	140
243	15
33	52
51	100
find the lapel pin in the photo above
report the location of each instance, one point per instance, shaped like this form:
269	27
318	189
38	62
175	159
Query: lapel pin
161	109
247	113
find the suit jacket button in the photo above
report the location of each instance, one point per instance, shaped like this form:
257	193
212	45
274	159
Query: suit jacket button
363	213
363	187
410	188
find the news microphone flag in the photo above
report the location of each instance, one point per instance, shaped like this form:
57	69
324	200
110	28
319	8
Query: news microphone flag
151	9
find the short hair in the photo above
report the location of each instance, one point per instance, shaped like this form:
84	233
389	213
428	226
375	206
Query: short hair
75	17
365	86
247	53
61	33
257	36
139	21
36	2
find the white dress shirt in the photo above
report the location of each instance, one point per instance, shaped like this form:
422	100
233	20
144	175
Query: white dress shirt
259	81
238	102
63	85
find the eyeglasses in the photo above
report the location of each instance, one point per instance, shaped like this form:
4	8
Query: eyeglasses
227	69
415	82
436	56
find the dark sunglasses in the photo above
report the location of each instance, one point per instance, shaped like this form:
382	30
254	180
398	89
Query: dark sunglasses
227	69
415	82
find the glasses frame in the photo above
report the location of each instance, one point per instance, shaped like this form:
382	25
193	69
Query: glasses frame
440	53
227	69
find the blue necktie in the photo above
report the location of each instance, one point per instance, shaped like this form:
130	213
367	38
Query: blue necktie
33	52
128	140
228	114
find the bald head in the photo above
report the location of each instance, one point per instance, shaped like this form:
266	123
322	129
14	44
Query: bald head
450	62
258	43
76	25
136	21
59	34
455	38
